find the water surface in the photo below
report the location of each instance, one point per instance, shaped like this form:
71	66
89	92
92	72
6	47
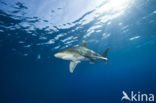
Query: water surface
32	31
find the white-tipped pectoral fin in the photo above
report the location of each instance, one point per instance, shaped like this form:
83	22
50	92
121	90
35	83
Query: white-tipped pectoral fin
73	65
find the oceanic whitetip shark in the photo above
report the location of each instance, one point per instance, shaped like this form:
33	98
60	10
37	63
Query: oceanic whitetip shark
80	53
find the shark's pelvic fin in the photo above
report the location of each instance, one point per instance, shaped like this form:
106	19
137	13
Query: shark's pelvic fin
92	61
73	65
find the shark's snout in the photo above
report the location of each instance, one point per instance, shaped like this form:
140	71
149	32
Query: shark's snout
64	55
58	55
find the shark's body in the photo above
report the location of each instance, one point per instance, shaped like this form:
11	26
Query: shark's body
78	54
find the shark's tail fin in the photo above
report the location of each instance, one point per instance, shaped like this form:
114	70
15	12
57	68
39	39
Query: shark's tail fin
104	55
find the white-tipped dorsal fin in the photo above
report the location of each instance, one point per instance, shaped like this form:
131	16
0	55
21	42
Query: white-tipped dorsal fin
84	44
73	65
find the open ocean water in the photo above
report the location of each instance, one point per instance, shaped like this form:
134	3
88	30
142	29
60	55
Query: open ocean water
32	31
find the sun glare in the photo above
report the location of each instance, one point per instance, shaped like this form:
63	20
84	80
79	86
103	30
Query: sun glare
114	6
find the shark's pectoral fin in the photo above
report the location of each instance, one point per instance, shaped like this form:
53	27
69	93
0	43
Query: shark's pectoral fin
73	65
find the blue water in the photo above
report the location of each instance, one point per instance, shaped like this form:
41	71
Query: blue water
32	31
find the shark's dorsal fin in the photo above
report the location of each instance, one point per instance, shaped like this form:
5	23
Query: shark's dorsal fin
73	65
84	44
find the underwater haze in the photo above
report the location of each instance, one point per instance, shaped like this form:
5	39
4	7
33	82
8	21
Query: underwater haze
32	31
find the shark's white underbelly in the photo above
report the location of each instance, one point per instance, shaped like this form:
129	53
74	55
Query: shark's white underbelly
73	57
